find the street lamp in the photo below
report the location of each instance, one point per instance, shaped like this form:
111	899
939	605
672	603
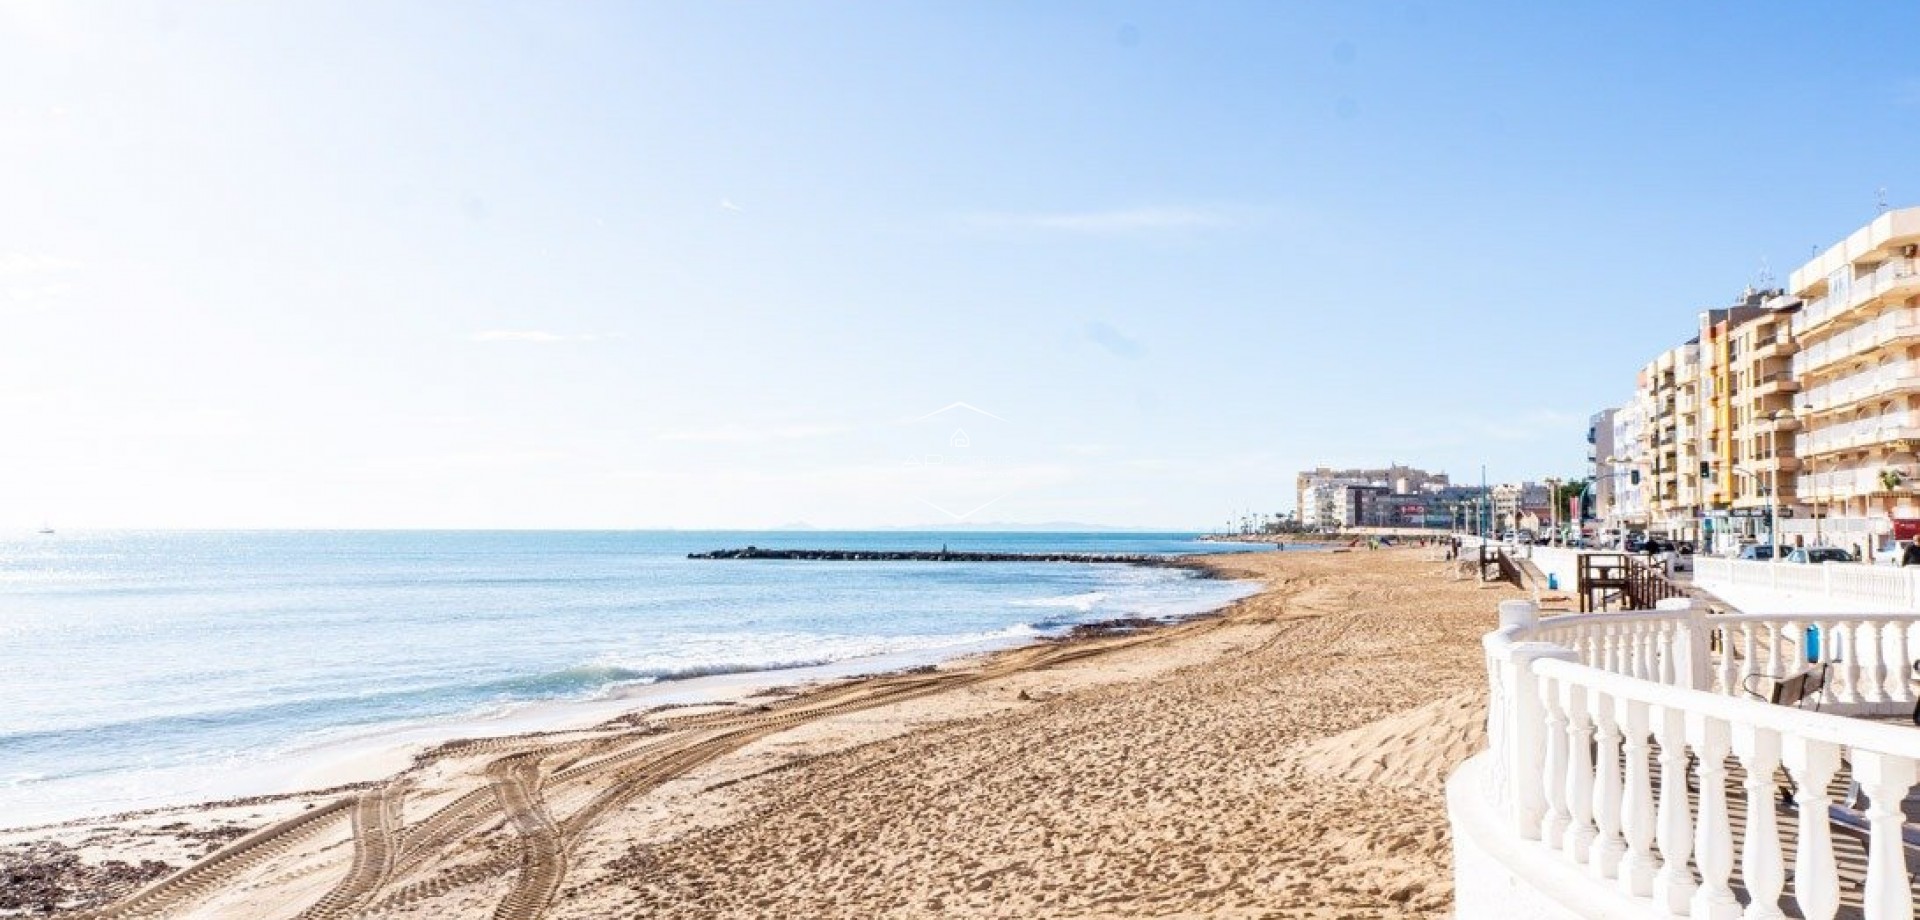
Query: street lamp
1773	508
1553	507
1622	468
1777	417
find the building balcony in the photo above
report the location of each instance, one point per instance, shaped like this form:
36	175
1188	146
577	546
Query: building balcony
1900	377
1866	434
1778	382
1781	464
1893	329
1778	346
1892	281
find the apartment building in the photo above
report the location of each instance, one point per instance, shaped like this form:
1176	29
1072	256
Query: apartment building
1858	366
1625	505
1434	506
1757	463
1669	388
1600	454
1746	400
1518	505
1325	496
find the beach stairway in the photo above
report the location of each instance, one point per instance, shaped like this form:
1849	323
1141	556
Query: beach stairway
1547	597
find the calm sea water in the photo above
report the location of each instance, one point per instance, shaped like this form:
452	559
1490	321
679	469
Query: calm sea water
137	669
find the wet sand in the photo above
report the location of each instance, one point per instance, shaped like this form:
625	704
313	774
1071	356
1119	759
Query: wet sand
1281	759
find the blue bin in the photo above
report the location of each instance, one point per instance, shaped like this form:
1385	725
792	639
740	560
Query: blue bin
1812	645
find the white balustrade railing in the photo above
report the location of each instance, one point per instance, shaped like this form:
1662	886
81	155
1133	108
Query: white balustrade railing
1832	583
1611	734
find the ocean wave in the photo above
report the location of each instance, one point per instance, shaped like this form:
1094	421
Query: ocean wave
1082	602
766	652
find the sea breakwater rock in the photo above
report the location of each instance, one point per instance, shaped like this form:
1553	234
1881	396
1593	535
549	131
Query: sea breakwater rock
860	555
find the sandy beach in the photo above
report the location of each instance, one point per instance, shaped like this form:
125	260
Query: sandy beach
1283	758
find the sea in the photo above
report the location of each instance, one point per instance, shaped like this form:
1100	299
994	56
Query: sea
145	669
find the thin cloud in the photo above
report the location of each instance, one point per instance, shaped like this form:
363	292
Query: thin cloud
34	263
726	204
949	407
540	336
741	434
1115	342
1114	222
32	280
475	459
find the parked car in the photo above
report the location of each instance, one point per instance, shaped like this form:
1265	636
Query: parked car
1757	552
1812	554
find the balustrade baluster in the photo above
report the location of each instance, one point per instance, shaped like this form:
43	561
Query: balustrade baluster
1760	861
1792	635
1604	855
1872	669
1579	833
1643	651
1816	878
1553	773
1841	657
1673	883
1899	672
1773	649
1713	834
1750	653
1727	669
1636	813
1670	637
1886	779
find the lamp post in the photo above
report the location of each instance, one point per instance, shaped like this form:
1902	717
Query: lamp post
1773	506
1621	468
1553	507
1773	481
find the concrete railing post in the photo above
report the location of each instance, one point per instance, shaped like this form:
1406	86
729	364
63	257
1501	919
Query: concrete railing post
1523	741
1693	663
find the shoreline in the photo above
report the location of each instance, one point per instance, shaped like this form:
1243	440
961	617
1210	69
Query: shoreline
362	757
763	746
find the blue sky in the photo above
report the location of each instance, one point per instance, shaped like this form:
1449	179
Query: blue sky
687	265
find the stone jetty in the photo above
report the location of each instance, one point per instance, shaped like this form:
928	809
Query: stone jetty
892	555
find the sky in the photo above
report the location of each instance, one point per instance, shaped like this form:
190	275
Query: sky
742	265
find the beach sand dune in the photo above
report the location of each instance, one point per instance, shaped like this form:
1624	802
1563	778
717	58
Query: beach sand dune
1284	759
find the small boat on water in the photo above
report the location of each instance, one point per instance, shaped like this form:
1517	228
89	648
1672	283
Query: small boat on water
46	528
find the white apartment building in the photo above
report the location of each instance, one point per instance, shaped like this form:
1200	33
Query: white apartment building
1625	507
1858	367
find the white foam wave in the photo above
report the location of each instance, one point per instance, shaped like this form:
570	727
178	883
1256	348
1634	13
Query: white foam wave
1081	602
712	654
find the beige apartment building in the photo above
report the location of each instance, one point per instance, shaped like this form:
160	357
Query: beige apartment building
1858	365
1713	423
1748	418
1669	389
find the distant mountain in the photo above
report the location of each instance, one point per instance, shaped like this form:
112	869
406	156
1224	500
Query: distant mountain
1044	527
